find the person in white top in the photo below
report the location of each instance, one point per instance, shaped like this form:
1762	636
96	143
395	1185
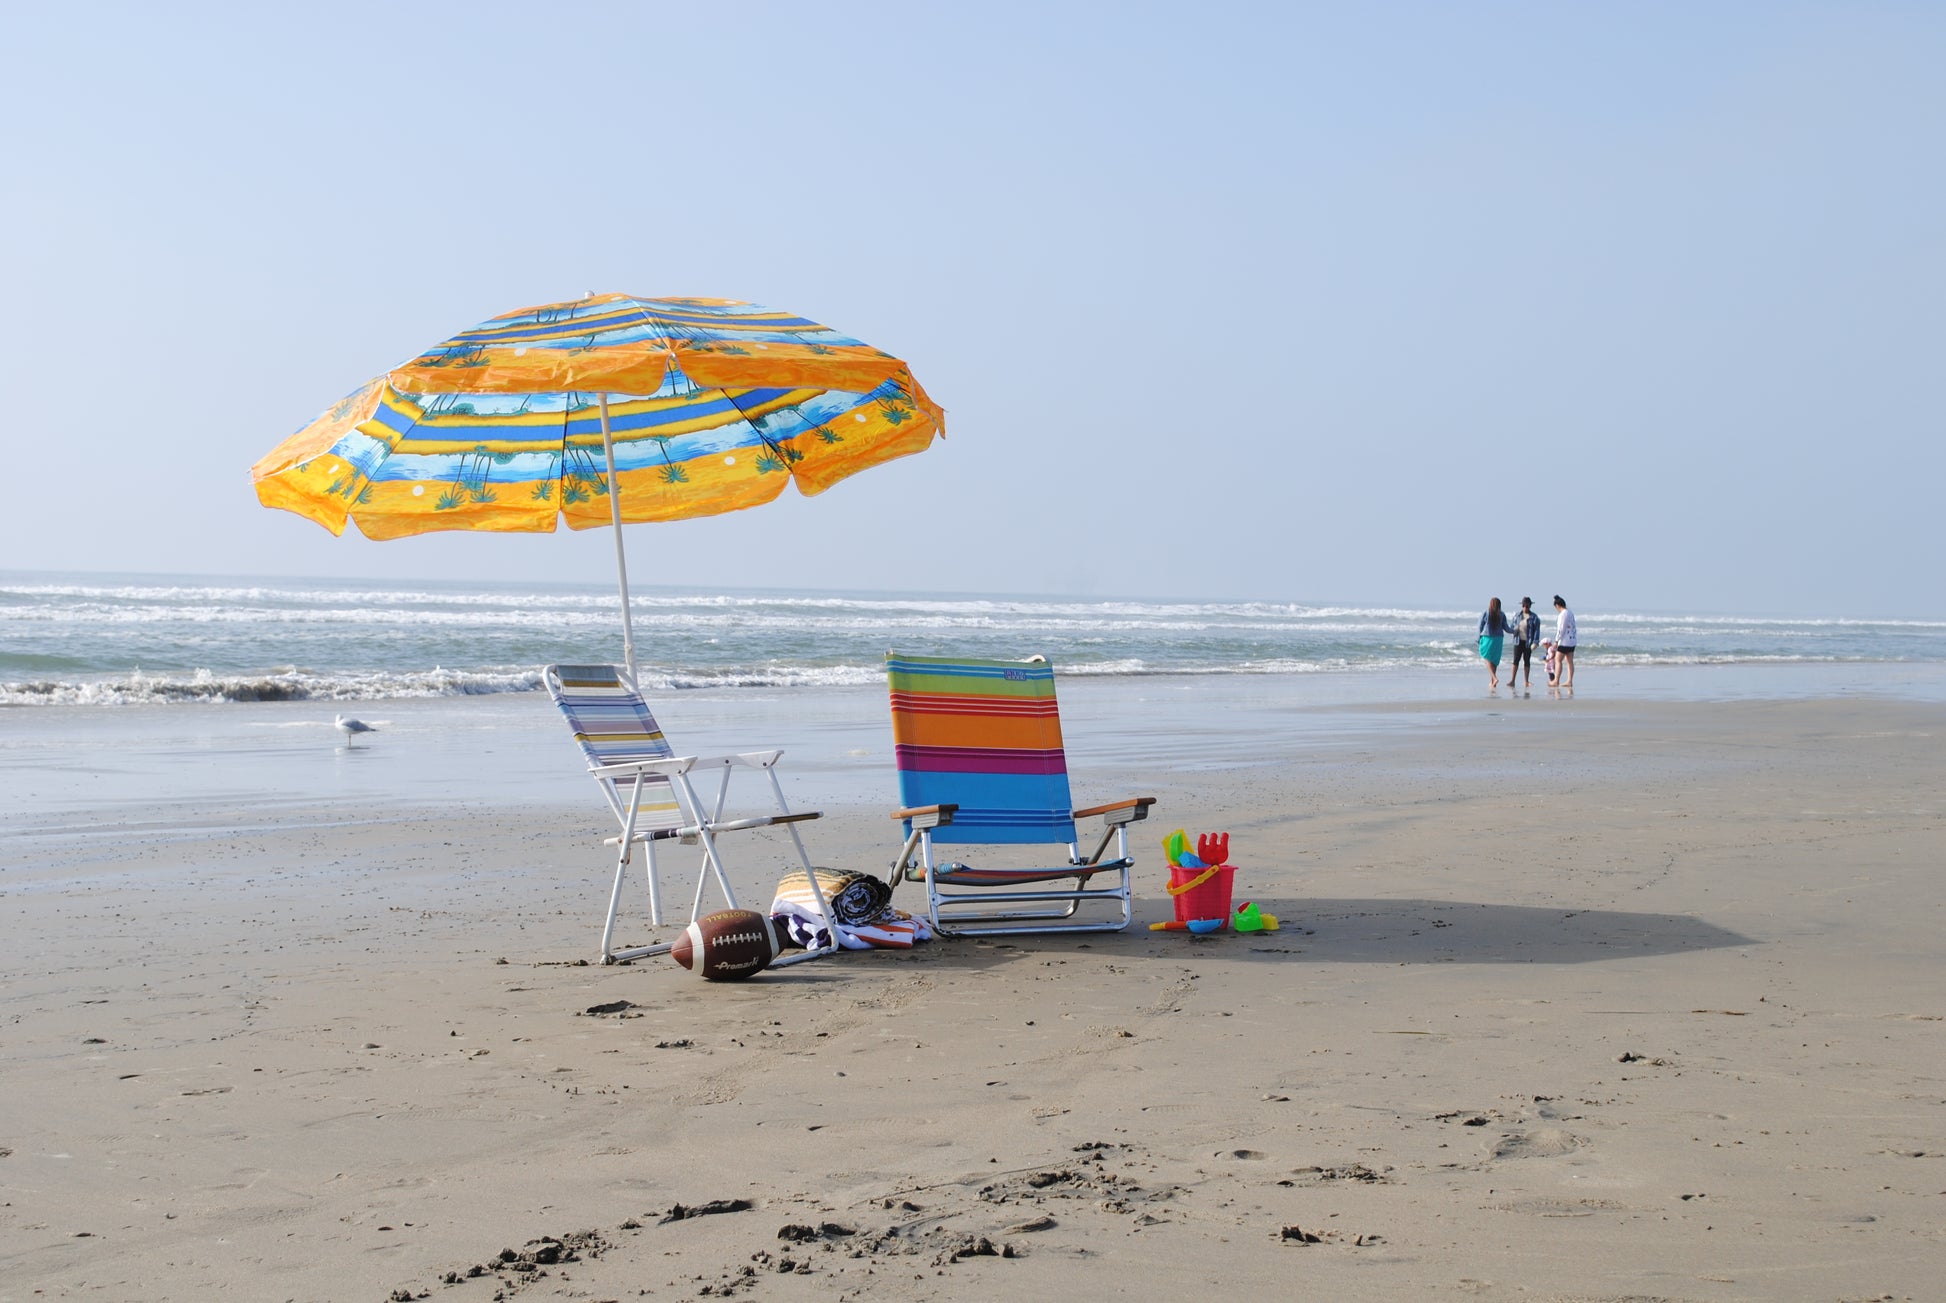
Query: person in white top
1564	640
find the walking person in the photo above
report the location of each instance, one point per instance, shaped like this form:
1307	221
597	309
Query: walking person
1493	633
1527	632
1564	639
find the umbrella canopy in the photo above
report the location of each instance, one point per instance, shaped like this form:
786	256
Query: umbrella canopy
598	411
709	406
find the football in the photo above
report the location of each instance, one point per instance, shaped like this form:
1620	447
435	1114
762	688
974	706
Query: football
727	946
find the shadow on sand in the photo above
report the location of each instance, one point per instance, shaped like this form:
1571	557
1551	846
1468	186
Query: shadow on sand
1469	932
1350	932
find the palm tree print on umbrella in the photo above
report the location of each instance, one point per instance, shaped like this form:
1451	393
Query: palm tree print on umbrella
462	357
470	481
778	455
580	478
670	472
353	479
895	406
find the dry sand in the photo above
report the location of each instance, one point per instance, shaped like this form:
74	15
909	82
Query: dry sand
1644	1002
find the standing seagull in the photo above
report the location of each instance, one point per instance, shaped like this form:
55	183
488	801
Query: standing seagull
351	728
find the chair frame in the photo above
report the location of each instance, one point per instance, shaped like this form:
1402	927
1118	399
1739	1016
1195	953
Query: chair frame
623	784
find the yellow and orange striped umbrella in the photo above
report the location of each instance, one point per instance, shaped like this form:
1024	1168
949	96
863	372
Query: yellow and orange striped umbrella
681	407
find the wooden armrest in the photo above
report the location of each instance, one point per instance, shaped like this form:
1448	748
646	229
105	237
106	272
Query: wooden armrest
1120	811
928	816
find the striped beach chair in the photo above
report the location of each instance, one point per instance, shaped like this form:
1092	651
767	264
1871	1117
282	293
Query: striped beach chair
981	762
651	792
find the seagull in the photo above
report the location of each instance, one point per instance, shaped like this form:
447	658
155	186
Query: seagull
351	728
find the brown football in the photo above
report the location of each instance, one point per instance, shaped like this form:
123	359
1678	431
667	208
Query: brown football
726	946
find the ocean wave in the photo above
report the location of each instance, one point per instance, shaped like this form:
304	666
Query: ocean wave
1769	624
183	596
190	601
1721	658
201	594
673	621
204	687
408	607
139	689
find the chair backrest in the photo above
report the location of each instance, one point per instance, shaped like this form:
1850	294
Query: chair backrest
613	725
985	736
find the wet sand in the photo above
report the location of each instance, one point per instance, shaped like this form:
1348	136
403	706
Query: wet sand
1622	999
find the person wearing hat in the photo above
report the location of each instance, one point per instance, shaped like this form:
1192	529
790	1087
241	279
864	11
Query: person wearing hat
1564	639
1527	632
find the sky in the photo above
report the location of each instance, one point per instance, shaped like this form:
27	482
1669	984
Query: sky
1386	304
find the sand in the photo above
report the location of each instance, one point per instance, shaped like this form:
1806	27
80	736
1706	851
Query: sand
1572	1000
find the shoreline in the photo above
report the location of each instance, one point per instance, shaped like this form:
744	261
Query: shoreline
60	763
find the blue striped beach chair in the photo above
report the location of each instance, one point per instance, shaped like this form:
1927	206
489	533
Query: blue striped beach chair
981	761
652	794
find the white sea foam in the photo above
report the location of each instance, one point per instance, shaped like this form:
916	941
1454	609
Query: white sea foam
203	686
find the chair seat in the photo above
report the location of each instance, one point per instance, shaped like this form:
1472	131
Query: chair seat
965	875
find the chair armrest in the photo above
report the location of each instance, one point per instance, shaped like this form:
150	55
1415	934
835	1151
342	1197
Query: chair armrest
629	768
928	816
754	759
764	821
1120	811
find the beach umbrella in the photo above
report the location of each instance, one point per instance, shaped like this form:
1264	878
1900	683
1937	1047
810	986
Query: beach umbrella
601	411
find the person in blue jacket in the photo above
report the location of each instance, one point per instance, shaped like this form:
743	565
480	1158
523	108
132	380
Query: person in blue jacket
1527	635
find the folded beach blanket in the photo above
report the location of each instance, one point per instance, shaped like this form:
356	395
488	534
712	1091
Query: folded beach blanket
855	898
860	905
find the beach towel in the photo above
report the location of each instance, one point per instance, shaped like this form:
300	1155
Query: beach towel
855	898
860	906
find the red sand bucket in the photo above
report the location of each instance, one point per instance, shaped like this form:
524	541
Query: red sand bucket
1202	893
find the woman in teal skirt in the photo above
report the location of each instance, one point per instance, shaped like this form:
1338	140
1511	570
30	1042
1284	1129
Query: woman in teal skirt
1493	634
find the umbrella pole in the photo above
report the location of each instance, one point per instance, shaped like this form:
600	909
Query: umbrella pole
621	557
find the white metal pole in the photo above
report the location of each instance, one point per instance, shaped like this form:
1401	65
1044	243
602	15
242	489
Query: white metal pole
621	556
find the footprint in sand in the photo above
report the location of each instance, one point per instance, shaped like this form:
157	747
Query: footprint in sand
1543	1207
1548	1142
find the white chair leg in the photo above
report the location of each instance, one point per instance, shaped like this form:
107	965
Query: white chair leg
713	863
804	858
932	882
655	887
614	903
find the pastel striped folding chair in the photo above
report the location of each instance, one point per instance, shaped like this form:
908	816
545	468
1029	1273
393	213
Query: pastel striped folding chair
652	794
981	762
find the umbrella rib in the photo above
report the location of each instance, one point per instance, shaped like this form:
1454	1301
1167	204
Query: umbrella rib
660	326
783	457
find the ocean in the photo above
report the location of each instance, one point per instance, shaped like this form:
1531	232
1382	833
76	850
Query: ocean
111	640
188	706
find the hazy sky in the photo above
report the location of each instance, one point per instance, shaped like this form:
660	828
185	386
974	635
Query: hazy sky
1640	303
